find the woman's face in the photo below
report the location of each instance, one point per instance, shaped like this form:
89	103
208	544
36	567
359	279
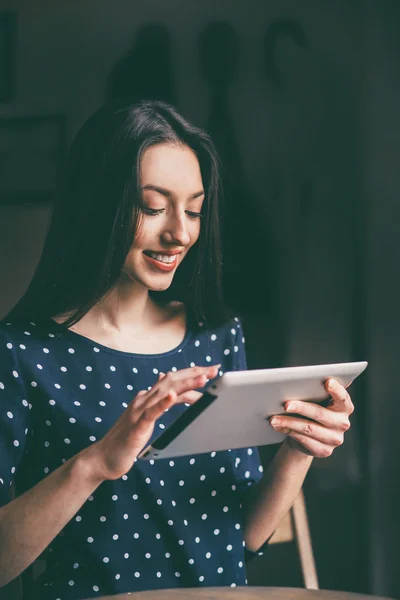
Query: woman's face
173	195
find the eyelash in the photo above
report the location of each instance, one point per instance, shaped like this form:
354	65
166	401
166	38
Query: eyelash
152	212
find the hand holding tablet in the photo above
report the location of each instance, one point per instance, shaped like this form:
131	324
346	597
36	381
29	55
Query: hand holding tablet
315	429
235	409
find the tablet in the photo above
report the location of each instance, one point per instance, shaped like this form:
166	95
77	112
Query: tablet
234	410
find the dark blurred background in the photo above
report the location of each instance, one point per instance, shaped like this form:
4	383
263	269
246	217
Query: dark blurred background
302	98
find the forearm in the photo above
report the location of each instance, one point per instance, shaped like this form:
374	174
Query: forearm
270	499
29	523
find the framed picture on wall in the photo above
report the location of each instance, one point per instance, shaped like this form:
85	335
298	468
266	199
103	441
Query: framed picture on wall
8	29
32	151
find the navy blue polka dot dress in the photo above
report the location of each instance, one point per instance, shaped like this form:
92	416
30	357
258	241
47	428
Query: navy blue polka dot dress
166	523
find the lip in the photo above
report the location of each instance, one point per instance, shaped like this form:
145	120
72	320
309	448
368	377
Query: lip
165	252
160	266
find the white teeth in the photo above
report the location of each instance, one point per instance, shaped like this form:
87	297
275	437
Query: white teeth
163	257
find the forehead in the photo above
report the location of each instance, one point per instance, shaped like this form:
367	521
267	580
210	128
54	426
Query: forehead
172	166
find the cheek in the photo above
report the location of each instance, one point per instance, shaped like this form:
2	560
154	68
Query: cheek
144	235
194	232
140	235
135	250
128	262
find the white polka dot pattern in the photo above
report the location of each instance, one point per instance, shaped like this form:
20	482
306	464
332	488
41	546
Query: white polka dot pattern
132	533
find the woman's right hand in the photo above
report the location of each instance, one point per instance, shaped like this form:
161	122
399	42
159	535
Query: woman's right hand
114	455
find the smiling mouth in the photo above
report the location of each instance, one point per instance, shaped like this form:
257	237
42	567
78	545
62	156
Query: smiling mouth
161	262
164	258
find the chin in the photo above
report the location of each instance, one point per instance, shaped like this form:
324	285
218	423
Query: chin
150	282
152	286
159	288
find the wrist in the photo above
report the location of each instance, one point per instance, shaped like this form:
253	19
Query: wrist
294	454
88	464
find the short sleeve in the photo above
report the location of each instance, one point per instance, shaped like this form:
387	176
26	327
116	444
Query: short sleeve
247	460
248	466
239	349
14	415
249	469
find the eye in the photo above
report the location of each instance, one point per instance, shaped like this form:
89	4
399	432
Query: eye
151	211
193	215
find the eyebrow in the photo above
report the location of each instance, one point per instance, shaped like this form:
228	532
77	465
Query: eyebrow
168	193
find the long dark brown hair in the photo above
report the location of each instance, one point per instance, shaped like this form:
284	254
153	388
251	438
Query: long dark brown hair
98	212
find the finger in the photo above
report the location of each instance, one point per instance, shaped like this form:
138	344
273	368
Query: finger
139	395
189	397
181	381
210	372
152	413
313	447
196	377
308	429
180	388
316	412
341	401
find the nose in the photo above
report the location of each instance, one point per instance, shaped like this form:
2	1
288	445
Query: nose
176	231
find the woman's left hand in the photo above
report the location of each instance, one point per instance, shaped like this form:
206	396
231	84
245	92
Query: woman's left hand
322	429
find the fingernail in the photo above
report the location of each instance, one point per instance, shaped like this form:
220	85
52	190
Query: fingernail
290	407
332	385
275	422
284	430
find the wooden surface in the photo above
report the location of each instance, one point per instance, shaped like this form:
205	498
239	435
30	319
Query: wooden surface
241	593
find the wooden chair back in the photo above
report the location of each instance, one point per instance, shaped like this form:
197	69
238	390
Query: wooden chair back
295	528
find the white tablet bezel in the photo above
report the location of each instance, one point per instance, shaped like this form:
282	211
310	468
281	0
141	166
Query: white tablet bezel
234	410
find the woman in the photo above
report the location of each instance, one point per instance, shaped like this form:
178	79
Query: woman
83	388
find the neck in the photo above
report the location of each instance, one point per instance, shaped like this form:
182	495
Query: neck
128	305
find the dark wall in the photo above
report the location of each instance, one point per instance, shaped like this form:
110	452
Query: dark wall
305	115
382	183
